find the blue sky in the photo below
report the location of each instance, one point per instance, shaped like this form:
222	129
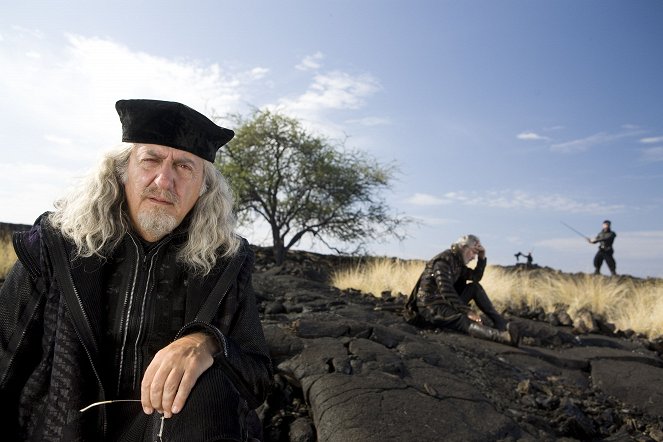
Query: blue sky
504	117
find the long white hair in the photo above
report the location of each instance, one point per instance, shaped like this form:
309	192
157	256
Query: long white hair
464	242
94	217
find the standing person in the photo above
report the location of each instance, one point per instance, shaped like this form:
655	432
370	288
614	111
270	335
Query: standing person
442	294
605	238
136	290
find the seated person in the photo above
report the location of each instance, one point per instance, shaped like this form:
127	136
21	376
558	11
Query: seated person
442	294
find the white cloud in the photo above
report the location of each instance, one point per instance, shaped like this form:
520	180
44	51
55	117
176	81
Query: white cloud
59	108
334	90
29	189
651	140
652	154
531	136
435	222
72	91
580	145
23	32
583	144
311	62
258	73
424	199
507	199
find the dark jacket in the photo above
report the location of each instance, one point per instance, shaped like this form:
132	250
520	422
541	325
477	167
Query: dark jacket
444	278
54	355
605	240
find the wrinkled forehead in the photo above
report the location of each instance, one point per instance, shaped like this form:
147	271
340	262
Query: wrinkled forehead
160	151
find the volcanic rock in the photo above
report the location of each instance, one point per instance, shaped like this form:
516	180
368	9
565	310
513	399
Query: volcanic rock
349	368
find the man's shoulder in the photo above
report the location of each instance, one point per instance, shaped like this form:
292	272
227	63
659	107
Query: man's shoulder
28	243
244	253
444	256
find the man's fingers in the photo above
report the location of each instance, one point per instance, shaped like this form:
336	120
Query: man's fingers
155	392
170	390
186	385
145	386
171	375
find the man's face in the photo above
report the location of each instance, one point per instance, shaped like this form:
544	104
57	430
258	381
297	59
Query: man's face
470	252
162	185
606	227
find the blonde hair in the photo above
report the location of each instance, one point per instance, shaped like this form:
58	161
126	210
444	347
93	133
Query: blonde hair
93	215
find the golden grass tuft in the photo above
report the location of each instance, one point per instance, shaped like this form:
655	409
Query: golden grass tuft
625	302
7	255
380	275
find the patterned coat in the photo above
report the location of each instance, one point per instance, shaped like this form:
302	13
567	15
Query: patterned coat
442	281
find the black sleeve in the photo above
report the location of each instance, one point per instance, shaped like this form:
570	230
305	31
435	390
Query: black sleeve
445	279
21	302
244	350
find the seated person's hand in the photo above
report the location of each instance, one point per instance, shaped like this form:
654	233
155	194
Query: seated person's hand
474	317
173	372
481	251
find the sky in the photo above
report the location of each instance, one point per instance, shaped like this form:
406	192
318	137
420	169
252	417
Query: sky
505	119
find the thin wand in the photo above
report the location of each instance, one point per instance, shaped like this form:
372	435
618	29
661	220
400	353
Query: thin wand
108	402
584	236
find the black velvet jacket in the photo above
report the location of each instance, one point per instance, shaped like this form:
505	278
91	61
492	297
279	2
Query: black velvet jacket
48	372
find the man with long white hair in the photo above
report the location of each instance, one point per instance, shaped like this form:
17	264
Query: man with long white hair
441	297
134	296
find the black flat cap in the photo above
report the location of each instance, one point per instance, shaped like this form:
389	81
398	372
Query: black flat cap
171	124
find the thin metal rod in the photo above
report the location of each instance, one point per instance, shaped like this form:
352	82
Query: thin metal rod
160	435
584	236
108	402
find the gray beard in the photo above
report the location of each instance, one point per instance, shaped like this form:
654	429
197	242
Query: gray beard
156	222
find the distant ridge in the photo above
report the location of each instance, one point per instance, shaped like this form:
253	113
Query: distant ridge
6	229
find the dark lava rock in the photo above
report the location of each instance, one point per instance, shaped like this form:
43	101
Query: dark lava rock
350	369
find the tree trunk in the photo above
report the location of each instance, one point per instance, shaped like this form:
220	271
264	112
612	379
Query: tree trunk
278	248
279	254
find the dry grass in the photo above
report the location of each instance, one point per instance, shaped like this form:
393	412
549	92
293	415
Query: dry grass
7	255
627	303
380	275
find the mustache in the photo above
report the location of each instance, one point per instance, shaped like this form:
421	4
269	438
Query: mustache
162	194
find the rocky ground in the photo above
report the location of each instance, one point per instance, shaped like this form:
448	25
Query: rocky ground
348	368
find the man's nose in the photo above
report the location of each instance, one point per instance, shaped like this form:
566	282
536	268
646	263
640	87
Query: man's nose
165	178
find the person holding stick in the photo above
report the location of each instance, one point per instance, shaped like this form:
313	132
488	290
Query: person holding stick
605	238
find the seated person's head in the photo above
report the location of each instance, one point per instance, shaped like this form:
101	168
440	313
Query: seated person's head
468	246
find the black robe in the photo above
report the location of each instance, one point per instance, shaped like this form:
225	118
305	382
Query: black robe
56	358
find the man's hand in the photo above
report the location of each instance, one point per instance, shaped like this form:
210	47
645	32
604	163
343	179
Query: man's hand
174	371
481	252
474	317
